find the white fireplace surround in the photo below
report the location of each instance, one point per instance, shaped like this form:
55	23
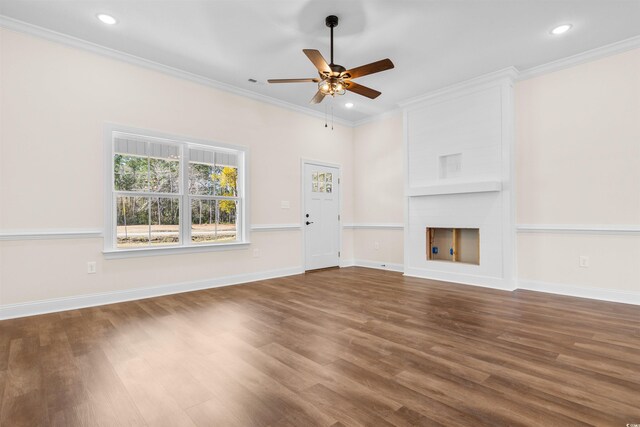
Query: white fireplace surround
459	174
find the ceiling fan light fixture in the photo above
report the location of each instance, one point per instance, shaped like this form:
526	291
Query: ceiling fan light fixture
332	86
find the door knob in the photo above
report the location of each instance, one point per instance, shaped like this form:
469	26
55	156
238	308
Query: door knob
309	222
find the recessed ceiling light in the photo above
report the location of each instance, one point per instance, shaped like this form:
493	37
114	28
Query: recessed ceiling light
106	19
349	105
561	29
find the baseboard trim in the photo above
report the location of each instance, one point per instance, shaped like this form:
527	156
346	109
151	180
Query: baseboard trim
461	278
610	295
379	265
11	311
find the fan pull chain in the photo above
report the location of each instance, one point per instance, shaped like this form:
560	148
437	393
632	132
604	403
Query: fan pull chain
325	115
331	116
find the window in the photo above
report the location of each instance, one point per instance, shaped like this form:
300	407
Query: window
169	193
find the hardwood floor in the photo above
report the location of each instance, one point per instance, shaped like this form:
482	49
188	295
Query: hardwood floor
338	347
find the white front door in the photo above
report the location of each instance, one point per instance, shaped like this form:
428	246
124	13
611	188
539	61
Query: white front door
321	215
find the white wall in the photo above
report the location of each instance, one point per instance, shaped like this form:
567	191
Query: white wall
378	200
578	163
578	152
54	105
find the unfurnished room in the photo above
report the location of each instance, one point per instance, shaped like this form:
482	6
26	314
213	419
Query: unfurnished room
320	213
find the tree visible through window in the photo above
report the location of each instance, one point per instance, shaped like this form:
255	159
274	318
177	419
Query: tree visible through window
150	194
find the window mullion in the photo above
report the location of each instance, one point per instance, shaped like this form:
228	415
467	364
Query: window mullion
186	202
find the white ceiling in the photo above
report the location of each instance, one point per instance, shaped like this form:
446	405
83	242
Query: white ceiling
432	43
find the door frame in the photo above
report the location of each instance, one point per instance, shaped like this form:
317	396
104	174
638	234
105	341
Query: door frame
303	207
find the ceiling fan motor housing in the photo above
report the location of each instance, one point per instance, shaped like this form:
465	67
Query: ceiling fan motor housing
331	21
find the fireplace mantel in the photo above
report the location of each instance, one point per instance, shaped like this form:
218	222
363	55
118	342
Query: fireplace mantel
455	188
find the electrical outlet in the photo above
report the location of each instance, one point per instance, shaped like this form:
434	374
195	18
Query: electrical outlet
256	253
284	204
91	267
376	245
584	261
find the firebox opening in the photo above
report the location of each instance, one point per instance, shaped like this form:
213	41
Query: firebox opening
454	244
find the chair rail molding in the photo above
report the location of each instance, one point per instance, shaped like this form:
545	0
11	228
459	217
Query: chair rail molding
51	234
621	229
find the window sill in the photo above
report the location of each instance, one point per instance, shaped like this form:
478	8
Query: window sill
171	250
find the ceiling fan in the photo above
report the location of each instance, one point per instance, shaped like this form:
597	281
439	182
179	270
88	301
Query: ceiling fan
335	79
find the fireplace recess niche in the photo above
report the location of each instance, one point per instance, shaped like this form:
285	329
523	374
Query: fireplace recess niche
453	244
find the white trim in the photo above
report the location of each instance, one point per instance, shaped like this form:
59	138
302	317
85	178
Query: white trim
173	250
50	234
10	311
347	263
580	58
612	295
378	117
464	87
578	228
379	265
372	225
455	188
462	278
276	227
98	234
34	30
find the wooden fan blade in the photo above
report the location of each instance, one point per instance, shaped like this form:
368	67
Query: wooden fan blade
317	59
317	99
363	70
362	90
293	80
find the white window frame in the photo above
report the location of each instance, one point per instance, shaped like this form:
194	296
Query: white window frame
185	245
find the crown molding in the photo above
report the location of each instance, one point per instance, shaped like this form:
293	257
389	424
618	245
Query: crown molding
580	58
508	74
378	117
54	36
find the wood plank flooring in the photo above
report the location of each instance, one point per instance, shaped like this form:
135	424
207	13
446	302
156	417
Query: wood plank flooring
338	347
